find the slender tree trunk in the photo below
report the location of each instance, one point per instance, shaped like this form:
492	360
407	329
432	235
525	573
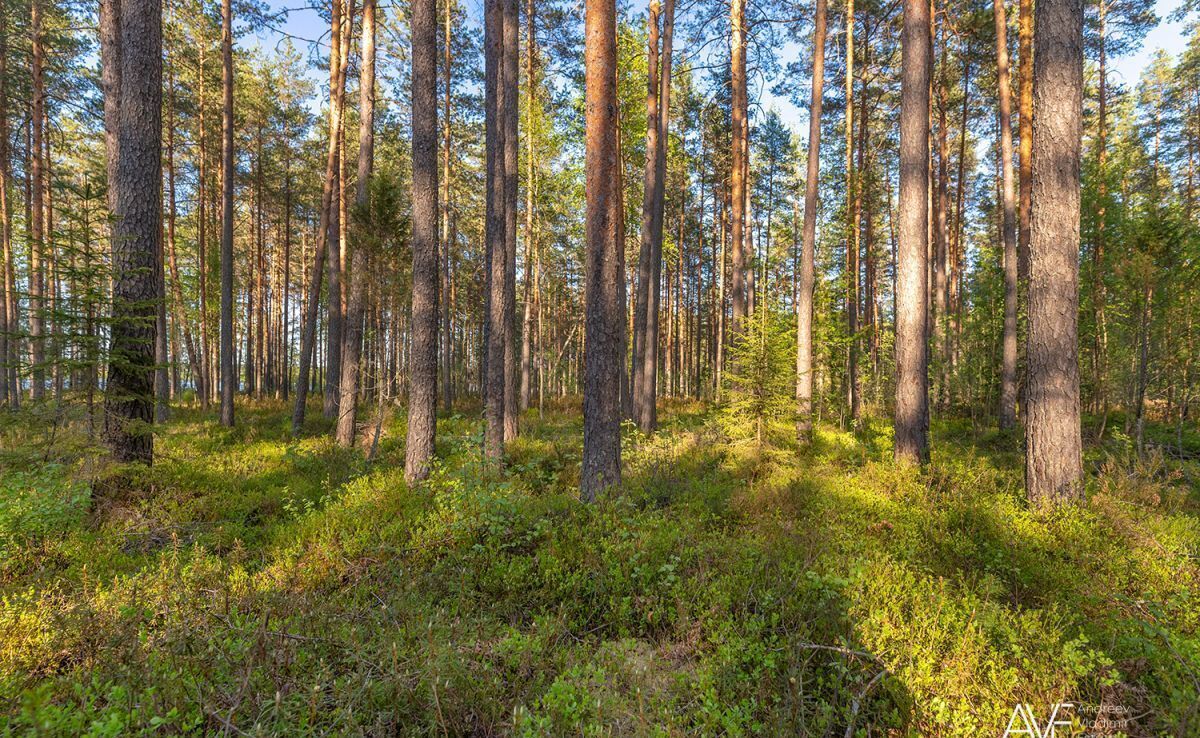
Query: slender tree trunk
9	391
228	377
510	91
336	226
360	260
1054	466
1099	297
308	329
1008	382
494	333
37	236
912	291
804	292
740	113
529	277
1025	55
136	28
447	244
601	464
641	312
852	223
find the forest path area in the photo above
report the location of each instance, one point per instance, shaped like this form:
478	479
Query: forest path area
262	585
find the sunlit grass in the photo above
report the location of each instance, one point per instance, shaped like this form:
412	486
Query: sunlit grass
287	587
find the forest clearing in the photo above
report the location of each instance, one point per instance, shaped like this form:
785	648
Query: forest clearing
575	368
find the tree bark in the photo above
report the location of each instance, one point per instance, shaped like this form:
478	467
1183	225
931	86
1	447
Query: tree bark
228	377
1025	54
494	333
360	260
912	287
37	235
136	27
422	392
1008	381
1053	460
804	293
601	464
738	174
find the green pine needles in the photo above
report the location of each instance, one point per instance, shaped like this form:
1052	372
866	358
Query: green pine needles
760	385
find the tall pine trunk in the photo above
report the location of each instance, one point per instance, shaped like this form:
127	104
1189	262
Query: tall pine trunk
134	35
1008	227
356	306
228	375
912	272
422	392
1053	459
601	464
807	277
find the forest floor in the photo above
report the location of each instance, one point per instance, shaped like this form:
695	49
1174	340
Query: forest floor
260	585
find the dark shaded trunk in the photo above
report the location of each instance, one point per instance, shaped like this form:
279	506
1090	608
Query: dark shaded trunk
135	26
422	388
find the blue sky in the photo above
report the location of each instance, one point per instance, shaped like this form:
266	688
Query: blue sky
1169	36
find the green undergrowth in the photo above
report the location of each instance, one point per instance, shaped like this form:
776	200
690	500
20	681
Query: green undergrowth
255	584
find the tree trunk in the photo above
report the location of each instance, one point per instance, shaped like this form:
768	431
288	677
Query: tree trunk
737	22
308	329
804	293
494	334
601	464
1025	55
422	392
510	91
228	377
1008	381
343	21
136	28
9	391
527	300
1053	461
912	289
360	260
37	235
641	300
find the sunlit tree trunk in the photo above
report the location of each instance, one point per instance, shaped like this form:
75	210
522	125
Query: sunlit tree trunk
601	464
740	113
807	277
228	376
1054	465
1008	226
912	291
360	269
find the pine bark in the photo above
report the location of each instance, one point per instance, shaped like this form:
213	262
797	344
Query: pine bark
601	463
136	28
912	286
807	276
422	392
1053	460
228	375
37	228
739	155
356	306
1008	225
